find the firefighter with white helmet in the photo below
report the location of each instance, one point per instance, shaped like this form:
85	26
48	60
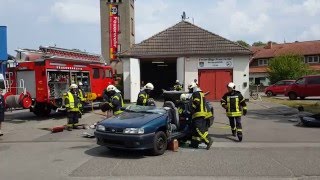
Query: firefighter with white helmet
235	106
73	105
115	102
144	94
82	95
177	86
199	114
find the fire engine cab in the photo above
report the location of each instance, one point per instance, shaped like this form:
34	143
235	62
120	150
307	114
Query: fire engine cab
39	78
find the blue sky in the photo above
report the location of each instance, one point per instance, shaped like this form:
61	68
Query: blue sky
76	23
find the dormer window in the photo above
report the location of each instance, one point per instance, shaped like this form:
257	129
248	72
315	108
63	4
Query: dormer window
263	62
312	59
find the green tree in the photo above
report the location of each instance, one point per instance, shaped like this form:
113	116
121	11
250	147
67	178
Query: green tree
243	43
288	66
259	43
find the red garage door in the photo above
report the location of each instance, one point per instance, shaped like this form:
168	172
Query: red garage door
214	81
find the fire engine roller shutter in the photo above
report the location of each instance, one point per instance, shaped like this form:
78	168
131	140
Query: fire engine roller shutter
214	81
29	82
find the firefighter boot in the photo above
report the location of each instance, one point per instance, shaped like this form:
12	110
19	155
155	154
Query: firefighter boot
234	133
209	143
240	136
194	144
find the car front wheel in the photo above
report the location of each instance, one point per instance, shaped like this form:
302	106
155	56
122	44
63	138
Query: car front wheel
269	93
159	143
292	96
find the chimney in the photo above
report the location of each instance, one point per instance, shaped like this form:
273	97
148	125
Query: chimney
269	45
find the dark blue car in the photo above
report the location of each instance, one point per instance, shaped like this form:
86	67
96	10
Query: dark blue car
141	128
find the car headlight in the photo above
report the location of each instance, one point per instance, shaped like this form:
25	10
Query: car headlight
101	128
133	131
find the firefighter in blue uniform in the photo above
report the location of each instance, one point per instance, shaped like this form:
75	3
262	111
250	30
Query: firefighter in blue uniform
235	106
115	102
144	95
199	114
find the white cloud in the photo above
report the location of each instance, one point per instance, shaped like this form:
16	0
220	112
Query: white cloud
313	33
312	7
77	11
243	23
309	7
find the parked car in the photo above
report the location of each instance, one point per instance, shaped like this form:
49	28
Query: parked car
142	128
304	87
278	88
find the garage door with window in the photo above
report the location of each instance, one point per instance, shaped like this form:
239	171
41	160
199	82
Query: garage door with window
214	81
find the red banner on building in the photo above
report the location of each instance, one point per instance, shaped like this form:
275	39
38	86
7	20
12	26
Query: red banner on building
114	30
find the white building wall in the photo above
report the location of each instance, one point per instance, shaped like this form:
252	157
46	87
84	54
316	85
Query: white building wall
131	79
241	74
180	70
191	70
126	78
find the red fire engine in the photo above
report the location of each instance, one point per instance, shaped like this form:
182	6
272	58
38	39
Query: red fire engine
41	77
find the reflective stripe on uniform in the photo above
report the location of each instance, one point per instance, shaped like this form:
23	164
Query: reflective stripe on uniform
145	97
117	112
203	136
202	112
71	104
237	105
196	138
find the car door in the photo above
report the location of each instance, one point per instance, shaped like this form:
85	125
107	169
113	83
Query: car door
313	86
300	87
279	87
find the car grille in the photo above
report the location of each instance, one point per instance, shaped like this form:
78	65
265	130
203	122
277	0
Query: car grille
114	130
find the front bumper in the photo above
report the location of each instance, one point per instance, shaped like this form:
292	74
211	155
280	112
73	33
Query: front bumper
123	141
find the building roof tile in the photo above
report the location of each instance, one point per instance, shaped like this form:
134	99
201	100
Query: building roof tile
183	39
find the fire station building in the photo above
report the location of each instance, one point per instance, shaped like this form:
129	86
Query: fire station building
186	52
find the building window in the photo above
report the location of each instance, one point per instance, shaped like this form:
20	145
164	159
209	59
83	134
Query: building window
312	59
263	62
132	27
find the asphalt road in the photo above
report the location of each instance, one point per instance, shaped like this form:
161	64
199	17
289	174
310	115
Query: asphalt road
274	147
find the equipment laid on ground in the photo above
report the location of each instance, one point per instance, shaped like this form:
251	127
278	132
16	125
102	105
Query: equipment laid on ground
39	78
311	121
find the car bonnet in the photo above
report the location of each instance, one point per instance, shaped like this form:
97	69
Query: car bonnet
131	119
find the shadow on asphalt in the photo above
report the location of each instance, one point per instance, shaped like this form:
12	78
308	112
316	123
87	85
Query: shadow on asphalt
102	151
21	117
274	114
223	136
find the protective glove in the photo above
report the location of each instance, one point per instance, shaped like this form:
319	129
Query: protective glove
244	112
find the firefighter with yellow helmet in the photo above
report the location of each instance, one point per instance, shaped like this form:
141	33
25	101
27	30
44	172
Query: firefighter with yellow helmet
73	105
235	106
199	114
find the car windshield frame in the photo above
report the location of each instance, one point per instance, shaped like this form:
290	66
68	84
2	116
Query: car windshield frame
145	109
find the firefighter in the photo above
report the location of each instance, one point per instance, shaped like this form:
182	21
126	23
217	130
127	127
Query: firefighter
73	105
199	113
235	106
144	94
2	109
116	101
184	111
177	86
82	96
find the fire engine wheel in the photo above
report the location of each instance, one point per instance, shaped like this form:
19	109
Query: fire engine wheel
42	110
